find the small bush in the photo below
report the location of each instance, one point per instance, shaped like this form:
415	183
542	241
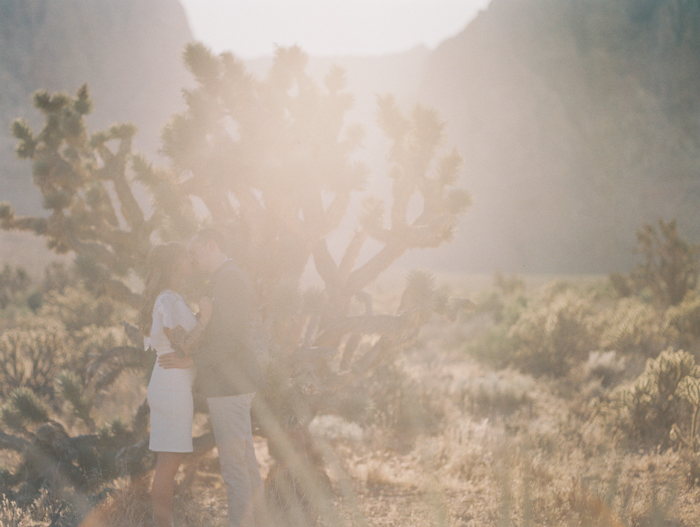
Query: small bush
682	322
670	265
22	408
392	400
632	326
30	354
75	308
13	284
555	332
649	408
495	346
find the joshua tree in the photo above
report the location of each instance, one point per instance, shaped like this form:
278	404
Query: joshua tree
84	185
272	164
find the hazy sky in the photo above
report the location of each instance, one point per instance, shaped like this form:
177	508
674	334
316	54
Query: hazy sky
251	28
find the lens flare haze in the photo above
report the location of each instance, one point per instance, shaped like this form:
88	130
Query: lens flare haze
327	27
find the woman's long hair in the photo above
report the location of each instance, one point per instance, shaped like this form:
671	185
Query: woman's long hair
160	265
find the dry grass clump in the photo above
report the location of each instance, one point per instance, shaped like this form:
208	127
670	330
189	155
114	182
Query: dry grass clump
127	505
13	515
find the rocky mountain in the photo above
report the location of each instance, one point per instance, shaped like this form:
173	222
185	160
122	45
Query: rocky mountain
579	121
128	51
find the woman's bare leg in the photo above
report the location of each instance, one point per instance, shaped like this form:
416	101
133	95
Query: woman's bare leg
162	487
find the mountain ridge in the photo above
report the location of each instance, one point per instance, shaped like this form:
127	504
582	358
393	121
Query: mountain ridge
579	120
568	128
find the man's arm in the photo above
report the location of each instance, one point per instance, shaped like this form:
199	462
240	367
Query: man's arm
184	343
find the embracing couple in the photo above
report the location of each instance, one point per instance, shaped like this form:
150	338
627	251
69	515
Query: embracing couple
210	354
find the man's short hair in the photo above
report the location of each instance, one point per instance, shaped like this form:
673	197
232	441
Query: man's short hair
211	234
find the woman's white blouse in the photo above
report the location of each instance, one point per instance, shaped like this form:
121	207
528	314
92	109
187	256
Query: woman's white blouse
169	311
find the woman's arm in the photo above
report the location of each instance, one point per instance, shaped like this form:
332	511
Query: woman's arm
172	360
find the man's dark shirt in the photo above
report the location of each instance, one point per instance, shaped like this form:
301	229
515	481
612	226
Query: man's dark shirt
226	364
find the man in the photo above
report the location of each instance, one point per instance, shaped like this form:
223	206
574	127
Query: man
228	373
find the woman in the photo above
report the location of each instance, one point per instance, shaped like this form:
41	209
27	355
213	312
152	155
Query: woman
164	319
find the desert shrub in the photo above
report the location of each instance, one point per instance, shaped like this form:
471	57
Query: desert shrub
36	348
681	323
17	288
556	331
76	308
70	390
495	346
23	408
30	354
504	302
64	509
13	283
57	277
93	340
649	408
49	383
632	326
392	400
669	267
689	391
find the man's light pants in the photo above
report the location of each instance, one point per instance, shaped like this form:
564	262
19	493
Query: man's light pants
230	418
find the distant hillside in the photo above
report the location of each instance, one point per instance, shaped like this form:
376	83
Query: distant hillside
579	121
128	51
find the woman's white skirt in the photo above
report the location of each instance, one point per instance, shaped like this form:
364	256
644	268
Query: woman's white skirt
171	419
